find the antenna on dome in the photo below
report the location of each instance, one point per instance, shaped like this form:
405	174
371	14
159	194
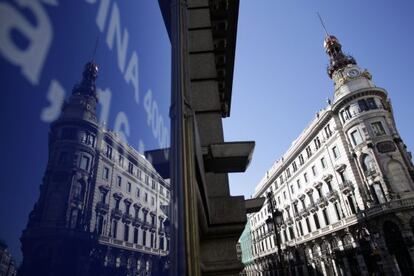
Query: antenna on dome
323	24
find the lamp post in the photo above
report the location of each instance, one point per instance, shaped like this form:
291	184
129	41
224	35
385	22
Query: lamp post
274	223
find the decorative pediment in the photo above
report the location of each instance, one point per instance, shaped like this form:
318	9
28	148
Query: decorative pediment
327	177
340	167
309	191
317	184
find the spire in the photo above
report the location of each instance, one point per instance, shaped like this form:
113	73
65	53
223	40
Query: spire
87	85
337	59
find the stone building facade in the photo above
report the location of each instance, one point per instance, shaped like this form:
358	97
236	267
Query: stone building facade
7	264
345	188
102	207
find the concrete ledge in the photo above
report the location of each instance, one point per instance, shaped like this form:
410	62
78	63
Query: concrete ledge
199	18
202	66
228	156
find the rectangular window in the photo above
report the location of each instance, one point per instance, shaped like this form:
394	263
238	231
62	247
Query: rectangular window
131	168
291	233
135	235
378	129
84	163
146	197
129	186
308	225
298	183
108	152
337	212
301	160
362	105
126	232
146	179
325	216
323	162
152	201
287	173
284	194
121	160
300	228
153	184
317	142
314	171
371	103
316	219
335	152
295	167
328	131
138	192
105	173
308	151
114	228
305	176
144	238
292	189
356	137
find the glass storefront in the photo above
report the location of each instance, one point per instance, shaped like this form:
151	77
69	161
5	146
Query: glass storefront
86	139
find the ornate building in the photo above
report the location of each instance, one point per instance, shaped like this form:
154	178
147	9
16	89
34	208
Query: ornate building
345	188
102	205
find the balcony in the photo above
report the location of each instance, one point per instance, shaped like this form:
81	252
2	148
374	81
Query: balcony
332	196
322	202
407	203
312	207
116	213
102	207
298	216
346	186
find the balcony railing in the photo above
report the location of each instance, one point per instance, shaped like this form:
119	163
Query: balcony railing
392	206
346	186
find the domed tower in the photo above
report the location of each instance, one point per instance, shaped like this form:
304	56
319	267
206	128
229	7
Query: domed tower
61	210
365	115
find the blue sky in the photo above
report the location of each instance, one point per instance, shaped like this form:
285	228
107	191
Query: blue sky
280	78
